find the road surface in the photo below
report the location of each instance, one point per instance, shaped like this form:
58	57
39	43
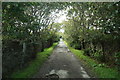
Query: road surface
63	63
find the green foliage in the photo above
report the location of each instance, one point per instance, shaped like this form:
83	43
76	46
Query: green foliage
94	28
101	65
99	56
87	51
101	70
90	26
27	24
117	60
34	65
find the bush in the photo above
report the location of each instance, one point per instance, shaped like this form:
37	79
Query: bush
99	56
87	51
11	58
117	60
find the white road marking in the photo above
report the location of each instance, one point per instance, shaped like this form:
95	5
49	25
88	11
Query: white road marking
60	73
52	72
84	73
64	65
68	50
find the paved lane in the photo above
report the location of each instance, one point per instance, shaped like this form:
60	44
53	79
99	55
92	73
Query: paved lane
63	63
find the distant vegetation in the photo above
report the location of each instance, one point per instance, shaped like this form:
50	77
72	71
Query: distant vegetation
27	29
95	29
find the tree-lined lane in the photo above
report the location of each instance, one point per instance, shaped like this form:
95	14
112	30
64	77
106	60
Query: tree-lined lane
63	63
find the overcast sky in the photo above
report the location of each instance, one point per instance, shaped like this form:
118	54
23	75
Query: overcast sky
61	16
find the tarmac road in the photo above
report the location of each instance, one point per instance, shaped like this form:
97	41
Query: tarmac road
63	63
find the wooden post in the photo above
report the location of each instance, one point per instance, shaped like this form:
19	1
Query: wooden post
23	55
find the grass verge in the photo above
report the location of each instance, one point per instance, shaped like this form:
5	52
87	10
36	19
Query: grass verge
101	72
35	64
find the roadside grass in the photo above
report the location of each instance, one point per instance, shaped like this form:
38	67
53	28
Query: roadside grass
100	71
34	65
